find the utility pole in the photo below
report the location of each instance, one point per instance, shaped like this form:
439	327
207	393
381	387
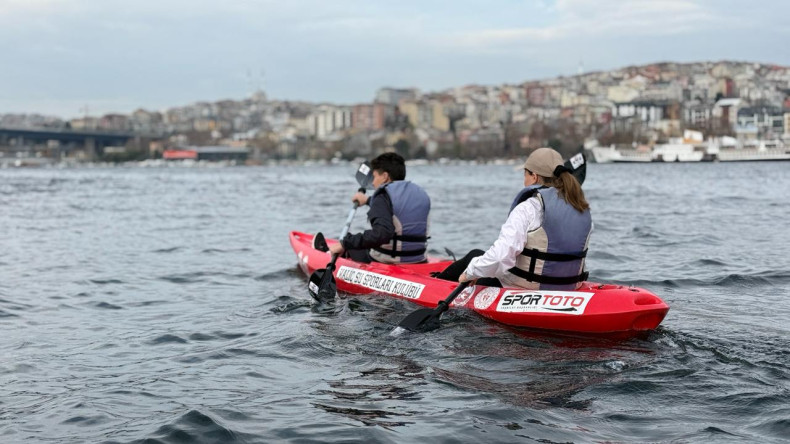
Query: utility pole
85	113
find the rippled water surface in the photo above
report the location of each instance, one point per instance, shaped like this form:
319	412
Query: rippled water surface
165	305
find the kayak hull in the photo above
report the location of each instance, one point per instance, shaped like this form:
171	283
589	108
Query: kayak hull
593	308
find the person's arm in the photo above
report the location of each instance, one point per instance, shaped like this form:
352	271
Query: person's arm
501	256
381	227
360	198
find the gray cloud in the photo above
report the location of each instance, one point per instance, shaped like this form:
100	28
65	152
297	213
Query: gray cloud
117	56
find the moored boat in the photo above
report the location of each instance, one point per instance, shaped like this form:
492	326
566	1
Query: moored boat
675	151
757	151
593	308
611	154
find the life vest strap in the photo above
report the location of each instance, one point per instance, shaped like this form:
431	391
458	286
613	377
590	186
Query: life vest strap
410	238
536	255
395	253
555	257
403	238
552	280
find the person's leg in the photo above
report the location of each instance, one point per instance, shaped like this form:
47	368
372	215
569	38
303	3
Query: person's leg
489	282
454	270
358	256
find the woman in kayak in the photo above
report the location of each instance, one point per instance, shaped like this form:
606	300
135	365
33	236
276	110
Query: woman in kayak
543	243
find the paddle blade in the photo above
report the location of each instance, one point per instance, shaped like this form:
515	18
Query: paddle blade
364	175
578	166
322	286
422	320
427	319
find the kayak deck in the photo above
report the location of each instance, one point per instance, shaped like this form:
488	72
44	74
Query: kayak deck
592	308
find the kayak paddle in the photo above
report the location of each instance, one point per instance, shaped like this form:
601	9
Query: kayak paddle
321	285
427	319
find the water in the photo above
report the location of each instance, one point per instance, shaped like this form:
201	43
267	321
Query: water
164	305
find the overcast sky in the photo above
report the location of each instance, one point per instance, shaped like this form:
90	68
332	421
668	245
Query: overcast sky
119	55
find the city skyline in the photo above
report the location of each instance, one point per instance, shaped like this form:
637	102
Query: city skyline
70	55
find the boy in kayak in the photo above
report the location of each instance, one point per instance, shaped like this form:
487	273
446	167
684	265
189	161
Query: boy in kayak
398	218
543	243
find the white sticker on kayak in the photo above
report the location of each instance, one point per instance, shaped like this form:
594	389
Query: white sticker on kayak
464	297
380	282
522	301
486	297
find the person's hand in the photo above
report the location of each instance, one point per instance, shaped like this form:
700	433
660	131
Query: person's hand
360	198
463	278
336	249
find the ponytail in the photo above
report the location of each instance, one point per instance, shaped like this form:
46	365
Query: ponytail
568	188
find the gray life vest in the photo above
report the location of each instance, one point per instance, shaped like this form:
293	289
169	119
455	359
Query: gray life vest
523	195
553	256
410	208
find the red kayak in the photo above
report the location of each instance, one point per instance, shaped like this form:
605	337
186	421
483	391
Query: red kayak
593	308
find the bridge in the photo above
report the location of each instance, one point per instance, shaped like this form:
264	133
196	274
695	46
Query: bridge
93	142
44	135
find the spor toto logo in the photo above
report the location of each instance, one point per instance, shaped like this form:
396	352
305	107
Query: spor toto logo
486	297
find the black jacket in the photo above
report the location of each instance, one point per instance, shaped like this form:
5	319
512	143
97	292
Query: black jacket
381	226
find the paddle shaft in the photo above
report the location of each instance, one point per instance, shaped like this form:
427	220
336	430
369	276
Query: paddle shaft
445	304
348	220
331	265
321	284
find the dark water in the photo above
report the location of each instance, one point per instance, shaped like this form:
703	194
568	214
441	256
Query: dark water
164	305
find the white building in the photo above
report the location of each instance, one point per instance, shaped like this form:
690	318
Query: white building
768	121
328	119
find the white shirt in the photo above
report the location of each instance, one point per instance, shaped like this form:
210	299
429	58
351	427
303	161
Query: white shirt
526	217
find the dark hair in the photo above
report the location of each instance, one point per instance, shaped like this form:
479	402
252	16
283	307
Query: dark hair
390	163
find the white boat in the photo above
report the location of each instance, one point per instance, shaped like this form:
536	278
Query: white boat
676	152
670	152
691	148
762	151
611	154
